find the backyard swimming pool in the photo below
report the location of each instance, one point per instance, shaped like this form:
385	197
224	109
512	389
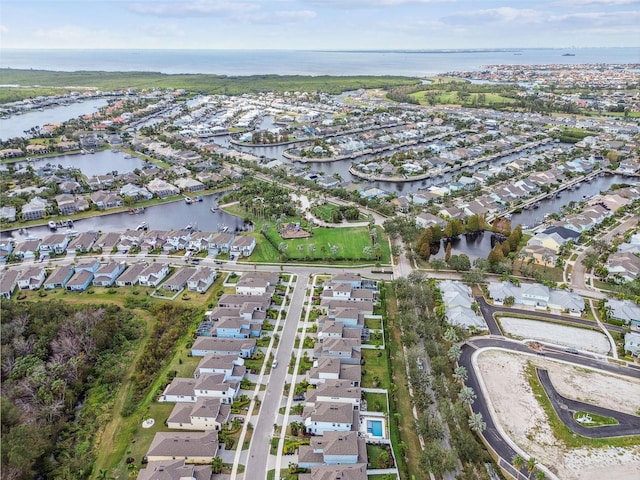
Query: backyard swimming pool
374	427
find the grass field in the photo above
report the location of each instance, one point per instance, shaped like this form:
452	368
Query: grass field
200	83
376	369
454	98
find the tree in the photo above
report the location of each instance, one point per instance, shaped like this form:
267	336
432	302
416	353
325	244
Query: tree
460	263
216	465
447	252
460	374
531	465
540	475
476	423
450	335
467	396
518	462
454	353
590	260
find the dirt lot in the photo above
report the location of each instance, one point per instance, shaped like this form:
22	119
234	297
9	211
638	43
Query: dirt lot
524	420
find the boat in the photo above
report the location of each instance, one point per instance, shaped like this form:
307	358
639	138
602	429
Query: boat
69	223
142	226
52	225
199	198
188	226
71	232
188	200
92	151
568	54
82	152
128	156
536	205
558	195
131	211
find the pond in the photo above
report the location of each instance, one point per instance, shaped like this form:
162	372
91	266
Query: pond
475	246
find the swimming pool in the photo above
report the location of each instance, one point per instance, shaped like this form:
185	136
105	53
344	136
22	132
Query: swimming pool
374	427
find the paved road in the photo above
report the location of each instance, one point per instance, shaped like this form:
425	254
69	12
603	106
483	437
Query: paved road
488	310
565	408
258	456
500	442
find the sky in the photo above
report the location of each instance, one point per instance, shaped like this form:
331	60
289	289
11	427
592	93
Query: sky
318	24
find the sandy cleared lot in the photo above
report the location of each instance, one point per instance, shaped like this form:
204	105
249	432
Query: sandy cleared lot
559	334
524	420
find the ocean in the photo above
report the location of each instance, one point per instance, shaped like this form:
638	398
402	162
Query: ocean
415	63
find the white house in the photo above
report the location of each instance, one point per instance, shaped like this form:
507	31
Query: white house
153	274
32	278
204	414
329	417
193	447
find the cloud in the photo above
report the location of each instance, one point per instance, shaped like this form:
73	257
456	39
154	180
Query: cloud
494	15
196	8
598	19
588	3
64	33
4	29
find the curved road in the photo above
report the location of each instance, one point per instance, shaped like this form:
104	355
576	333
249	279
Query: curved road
499	442
565	408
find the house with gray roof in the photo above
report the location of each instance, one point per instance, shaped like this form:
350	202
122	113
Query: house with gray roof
59	277
55	243
458	302
632	343
204	414
32	278
336	472
333	448
179	279
8	282
82	243
34	209
329	417
80	281
194	447
624	310
242	347
202	279
129	277
27	249
174	470
329	368
106	275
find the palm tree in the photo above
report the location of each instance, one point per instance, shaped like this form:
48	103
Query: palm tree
531	465
454	353
216	465
540	475
467	395
460	374
518	462
476	423
450	335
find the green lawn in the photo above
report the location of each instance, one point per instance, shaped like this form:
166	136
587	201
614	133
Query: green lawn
350	241
376	402
375	369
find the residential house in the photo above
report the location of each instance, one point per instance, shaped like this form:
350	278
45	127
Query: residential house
7	213
257	283
80	281
107	241
82	243
348	350
106	200
231	300
426	220
208	385
193	447
89	265
32	278
107	274
162	189
328	368
202	279
59	277
135	192
329	417
336	472
179	279
27	249
188	184
231	366
623	266
34	209
153	274
458	301
199	241
66	204
243	246
244	348
337	391
6	247
177	240
624	310
8	282
333	448
174	470
54	243
632	343
130	276
220	243
205	414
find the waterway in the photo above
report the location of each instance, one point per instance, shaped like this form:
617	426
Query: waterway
584	191
169	216
17	125
90	164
